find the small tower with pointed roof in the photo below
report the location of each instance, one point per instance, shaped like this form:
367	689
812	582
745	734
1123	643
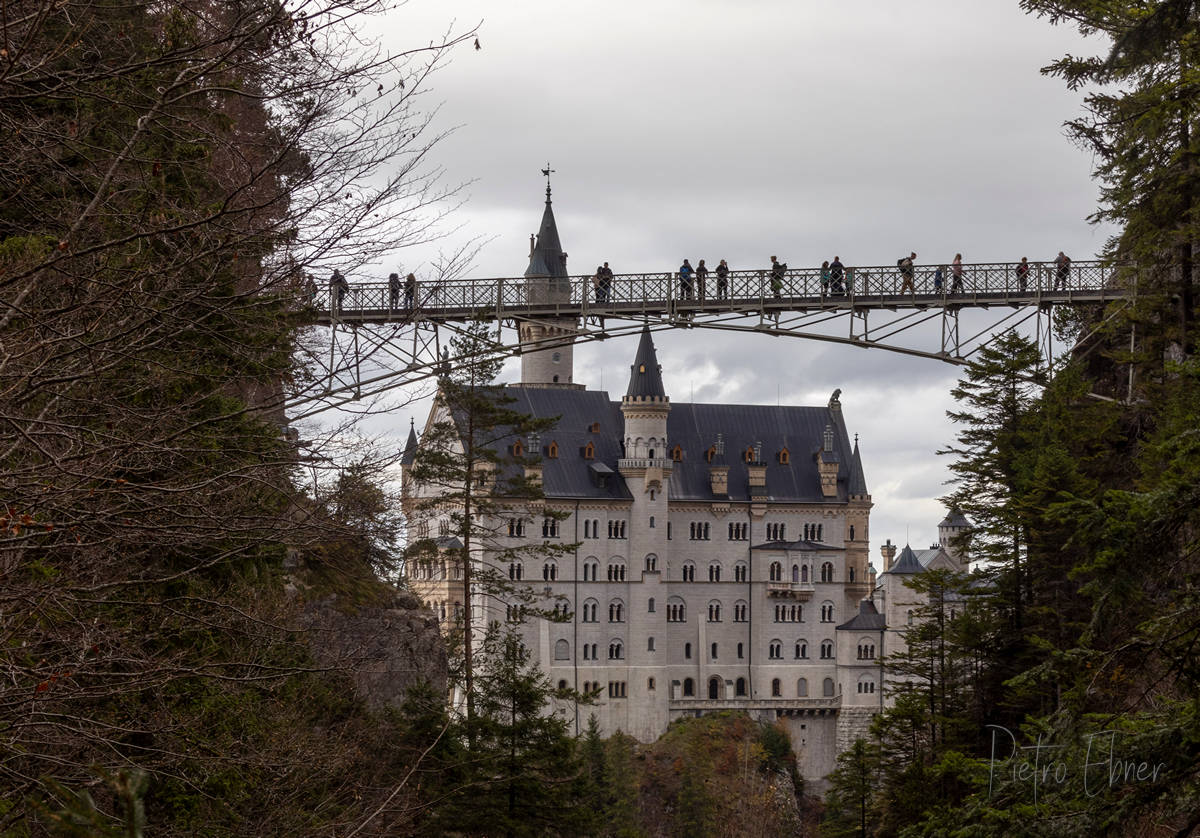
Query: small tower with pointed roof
646	464
858	516
950	536
547	350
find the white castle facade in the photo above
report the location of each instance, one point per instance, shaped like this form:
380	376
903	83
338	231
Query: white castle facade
722	557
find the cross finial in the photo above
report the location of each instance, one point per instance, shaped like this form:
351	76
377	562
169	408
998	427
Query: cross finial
547	172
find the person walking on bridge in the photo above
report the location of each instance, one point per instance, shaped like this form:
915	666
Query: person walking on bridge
685	280
836	272
1062	267
906	274
722	280
701	278
338	288
606	280
956	271
778	269
1022	274
410	290
393	291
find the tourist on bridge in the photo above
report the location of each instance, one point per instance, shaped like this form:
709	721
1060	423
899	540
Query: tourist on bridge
596	290
338	287
606	280
701	278
393	291
905	265
722	280
410	290
956	269
939	279
778	269
1023	274
310	291
836	271
826	276
1062	267
685	280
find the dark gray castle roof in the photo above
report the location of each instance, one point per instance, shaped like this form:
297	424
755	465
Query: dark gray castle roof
868	618
645	374
410	447
693	427
858	481
801	545
955	518
907	562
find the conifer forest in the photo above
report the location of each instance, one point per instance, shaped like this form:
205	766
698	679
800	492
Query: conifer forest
196	604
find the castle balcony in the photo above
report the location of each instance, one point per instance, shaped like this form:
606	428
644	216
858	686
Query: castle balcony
663	463
778	706
858	590
801	591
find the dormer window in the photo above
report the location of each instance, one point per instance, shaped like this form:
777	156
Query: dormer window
710	453
552	450
750	454
677	454
595	428
518	449
641	367
589	451
784	457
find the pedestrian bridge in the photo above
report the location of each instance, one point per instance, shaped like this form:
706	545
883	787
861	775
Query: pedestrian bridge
380	339
658	295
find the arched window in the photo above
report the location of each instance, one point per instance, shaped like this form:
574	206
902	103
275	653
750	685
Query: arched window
866	650
826	649
866	686
616	611
710	453
550	571
515	570
852	532
802	688
689	687
714	688
714	571
562	683
775	650
714	611
740	572
852	573
518	449
651	522
589	451
804	573
827	572
827	612
740	651
689	572
801	650
676	611
795	573
650	605
651	562
649	644
776	572
776	688
749	455
590	608
910	616
616	651
562	650
713	652
827	687
687	651
552	450
740	611
739	687
677	454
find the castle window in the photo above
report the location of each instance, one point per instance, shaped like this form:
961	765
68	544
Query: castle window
851	574
714	612
651	562
589	610
827	572
616	573
776	688
677	454
776	572
714	651
784	457
552	450
518	449
775	650
852	532
714	572
549	527
710	453
616	689
827	612
866	651
595	427
801	650
516	528
589	451
515	571
749	455
739	611
651	522
650	684
562	650
562	684
802	688
795	573
740	572
910	616
826	649
866	685
687	651
827	687
616	651
550	571
650	605
649	644
616	611
676	610
739	687
689	688
590	570
689	572
740	651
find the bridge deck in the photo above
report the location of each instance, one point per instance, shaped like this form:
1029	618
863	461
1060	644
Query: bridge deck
747	292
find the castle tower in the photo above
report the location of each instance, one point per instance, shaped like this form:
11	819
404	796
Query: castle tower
950	532
858	516
547	352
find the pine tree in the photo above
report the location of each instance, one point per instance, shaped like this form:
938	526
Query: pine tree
849	803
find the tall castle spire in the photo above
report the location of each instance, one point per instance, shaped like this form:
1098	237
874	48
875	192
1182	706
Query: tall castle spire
645	374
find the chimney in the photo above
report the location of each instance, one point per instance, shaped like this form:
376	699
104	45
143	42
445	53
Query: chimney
888	551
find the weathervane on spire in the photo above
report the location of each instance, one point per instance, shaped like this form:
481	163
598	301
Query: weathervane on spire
547	172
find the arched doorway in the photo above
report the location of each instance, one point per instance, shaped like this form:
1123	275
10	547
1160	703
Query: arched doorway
714	688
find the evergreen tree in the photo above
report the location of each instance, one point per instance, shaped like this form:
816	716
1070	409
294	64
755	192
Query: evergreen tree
849	803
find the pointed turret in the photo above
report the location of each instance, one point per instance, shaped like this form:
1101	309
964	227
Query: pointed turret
907	563
858	481
645	376
547	257
410	447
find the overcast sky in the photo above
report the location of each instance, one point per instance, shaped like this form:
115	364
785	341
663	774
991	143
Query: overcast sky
737	130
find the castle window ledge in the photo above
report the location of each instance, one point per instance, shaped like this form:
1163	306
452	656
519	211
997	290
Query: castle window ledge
664	463
802	591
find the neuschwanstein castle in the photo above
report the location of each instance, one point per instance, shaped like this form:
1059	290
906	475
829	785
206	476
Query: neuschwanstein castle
722	558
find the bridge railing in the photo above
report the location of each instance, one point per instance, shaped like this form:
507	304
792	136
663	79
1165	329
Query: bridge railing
665	289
